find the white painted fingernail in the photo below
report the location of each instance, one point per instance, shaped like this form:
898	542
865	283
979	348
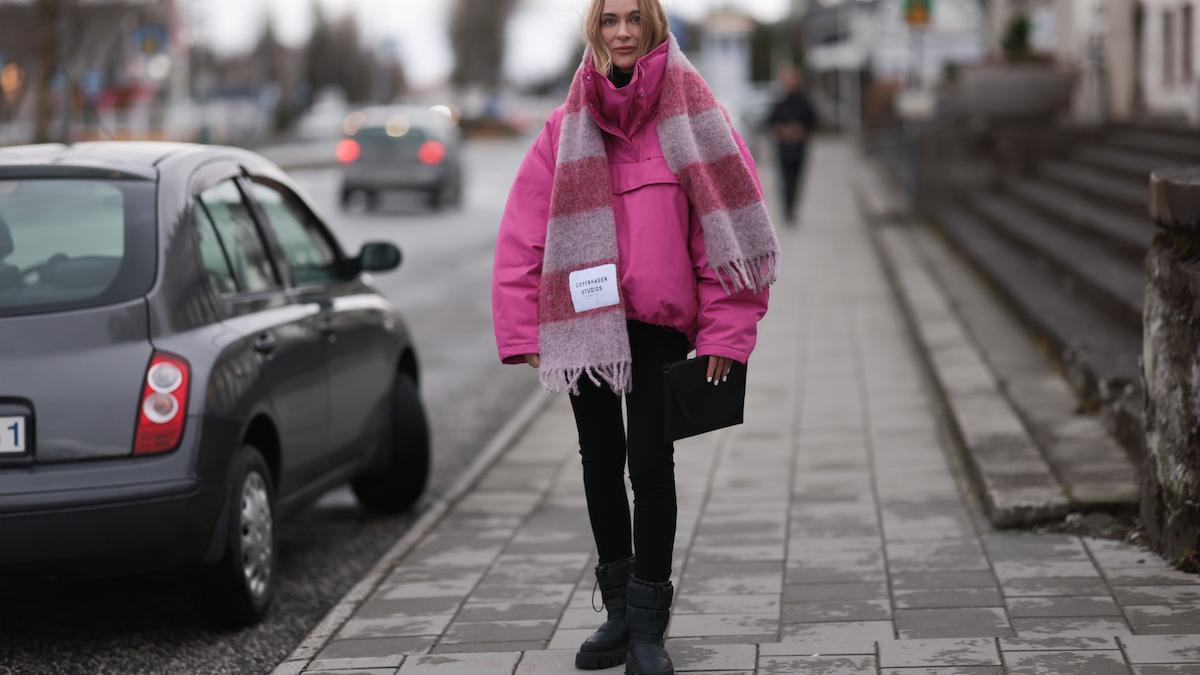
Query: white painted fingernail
710	379
725	379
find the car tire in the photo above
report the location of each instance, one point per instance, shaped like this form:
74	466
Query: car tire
236	591
399	484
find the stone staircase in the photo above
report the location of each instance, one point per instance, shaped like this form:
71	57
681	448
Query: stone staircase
1064	248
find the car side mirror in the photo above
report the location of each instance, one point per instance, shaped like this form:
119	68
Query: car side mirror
379	256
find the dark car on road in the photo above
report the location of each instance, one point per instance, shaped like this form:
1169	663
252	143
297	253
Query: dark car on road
408	148
187	357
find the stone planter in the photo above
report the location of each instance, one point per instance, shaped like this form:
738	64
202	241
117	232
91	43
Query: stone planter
1170	492
1016	91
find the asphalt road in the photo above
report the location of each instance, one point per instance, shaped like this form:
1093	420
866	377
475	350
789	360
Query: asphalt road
146	624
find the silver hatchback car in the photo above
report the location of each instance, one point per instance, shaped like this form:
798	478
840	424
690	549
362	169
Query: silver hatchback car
401	148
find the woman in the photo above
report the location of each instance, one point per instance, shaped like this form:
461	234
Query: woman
635	231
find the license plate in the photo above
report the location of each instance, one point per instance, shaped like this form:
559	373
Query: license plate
13	435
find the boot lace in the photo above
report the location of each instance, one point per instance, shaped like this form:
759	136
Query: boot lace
594	587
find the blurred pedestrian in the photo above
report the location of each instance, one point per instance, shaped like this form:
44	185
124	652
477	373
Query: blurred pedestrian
791	122
635	231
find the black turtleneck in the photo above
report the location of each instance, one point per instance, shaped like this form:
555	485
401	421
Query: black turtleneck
620	78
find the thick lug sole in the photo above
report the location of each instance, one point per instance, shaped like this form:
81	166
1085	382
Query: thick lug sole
630	671
600	660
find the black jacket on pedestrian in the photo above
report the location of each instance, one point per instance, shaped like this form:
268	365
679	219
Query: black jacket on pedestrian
793	108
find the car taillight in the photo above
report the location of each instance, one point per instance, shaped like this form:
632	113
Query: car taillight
163	406
432	152
348	150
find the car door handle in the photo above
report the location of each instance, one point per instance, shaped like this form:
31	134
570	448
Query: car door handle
264	344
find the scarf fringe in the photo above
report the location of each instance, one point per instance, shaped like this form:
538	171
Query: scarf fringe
755	274
618	376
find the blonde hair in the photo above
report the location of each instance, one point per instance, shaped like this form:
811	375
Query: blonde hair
654	32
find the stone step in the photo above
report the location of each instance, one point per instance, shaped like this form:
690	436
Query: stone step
1121	233
1015	483
1097	473
1183	147
1083	266
1098	355
1097	185
1132	165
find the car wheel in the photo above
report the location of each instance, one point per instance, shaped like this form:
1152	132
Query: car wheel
237	590
400	483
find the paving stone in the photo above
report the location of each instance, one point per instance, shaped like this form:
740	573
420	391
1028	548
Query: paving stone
716	604
828	646
1157	595
1163	614
944	579
1070	606
1044	569
1054	586
549	662
569	638
766	552
957	670
936	555
1167	629
845	630
1055	643
691	655
1039	628
517	593
376	647
461	664
1066	663
378	608
474	610
974	617
1162	648
1176	669
938	653
357	671
730	585
1155	575
955	632
827	592
392	662
701	625
394	627
824	665
836	610
472	647
948	598
498	631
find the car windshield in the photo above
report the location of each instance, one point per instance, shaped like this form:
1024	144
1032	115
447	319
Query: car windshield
74	243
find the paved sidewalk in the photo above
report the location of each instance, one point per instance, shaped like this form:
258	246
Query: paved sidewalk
831	533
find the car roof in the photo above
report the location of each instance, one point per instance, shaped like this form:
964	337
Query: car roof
134	159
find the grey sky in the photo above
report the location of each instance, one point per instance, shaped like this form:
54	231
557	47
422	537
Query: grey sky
542	35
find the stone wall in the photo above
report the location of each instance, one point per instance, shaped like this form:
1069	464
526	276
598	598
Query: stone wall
1171	367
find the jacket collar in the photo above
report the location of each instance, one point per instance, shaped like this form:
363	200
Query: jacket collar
625	111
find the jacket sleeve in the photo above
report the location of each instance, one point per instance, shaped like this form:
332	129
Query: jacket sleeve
517	268
728	323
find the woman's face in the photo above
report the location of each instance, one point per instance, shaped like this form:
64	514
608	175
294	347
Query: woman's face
621	30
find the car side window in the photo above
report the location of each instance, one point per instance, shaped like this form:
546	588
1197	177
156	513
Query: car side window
212	254
243	243
306	247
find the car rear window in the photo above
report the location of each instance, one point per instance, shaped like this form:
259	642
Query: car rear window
74	243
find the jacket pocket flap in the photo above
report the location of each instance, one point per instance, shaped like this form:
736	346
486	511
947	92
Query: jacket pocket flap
627	176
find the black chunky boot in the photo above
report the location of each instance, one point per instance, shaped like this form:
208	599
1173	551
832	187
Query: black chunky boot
647	613
606	647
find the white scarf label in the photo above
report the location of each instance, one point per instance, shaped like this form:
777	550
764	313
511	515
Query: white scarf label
594	287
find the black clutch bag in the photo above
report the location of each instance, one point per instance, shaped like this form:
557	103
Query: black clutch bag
694	406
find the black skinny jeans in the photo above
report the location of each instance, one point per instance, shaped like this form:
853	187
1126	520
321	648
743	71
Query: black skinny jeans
603	446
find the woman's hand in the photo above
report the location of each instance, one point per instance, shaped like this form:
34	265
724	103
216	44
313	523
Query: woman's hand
718	369
535	360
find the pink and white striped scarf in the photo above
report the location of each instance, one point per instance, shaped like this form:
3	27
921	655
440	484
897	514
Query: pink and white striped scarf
699	147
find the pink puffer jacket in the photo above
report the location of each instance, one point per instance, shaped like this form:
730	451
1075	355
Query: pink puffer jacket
665	277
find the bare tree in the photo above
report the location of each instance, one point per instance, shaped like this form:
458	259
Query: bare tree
477	35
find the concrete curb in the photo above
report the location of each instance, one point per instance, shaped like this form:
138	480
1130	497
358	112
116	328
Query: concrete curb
1017	485
345	608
